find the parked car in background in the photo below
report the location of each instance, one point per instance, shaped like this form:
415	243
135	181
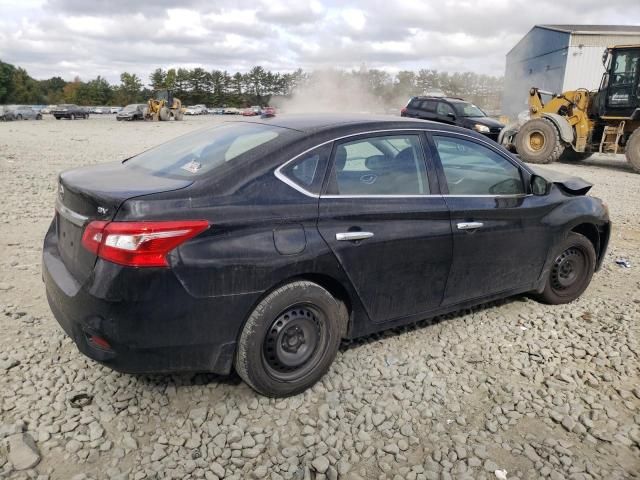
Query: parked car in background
70	111
24	112
97	110
47	109
113	110
194	110
215	111
203	109
268	112
134	111
260	245
6	114
232	111
453	111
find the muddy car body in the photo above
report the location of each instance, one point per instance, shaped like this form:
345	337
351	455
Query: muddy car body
260	245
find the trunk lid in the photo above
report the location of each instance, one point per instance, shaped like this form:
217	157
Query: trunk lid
96	193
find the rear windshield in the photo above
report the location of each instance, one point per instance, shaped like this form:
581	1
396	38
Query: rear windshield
197	153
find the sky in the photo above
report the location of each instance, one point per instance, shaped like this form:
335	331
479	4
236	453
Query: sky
87	38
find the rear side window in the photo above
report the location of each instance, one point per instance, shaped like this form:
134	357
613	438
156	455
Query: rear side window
197	153
473	169
384	165
307	171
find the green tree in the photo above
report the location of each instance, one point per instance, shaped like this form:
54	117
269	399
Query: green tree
158	79
130	89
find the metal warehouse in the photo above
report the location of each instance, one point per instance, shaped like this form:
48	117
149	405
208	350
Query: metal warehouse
558	58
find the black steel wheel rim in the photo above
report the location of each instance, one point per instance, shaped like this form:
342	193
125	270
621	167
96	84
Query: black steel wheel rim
294	343
568	271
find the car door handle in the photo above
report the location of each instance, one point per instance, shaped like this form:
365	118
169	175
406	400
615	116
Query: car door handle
469	225
353	236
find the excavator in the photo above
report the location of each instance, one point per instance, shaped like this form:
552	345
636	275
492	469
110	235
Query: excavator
163	106
575	124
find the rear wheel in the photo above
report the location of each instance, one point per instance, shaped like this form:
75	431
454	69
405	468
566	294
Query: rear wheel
538	141
165	114
39	117
571	271
290	339
633	150
72	117
19	117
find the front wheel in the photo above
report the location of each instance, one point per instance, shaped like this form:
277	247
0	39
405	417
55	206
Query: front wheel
632	151
290	339
571	271
538	141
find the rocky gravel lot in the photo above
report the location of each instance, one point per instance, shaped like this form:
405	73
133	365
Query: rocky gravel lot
513	389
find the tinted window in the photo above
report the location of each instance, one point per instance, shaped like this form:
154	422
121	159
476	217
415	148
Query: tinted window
444	109
473	169
389	165
199	152
307	171
429	105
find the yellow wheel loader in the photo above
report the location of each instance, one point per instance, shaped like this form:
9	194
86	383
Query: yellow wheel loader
575	124
163	107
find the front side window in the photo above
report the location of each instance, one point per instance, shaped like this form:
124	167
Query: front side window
444	109
473	169
385	165
469	110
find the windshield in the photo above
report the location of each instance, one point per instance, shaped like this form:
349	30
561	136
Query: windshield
194	154
130	108
468	110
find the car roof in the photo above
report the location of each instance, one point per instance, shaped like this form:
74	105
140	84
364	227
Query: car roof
313	123
448	99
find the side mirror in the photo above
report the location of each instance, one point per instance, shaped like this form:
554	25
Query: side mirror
539	186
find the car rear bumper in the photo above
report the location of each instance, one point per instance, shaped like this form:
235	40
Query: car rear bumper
151	323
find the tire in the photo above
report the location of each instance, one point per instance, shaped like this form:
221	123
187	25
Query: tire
570	155
72	117
290	339
165	114
19	117
538	141
86	116
178	115
571	271
632	151
39	117
58	118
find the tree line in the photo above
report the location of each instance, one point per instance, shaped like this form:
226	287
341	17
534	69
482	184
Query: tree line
255	87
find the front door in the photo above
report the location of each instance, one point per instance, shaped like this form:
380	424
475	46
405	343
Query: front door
499	239
390	235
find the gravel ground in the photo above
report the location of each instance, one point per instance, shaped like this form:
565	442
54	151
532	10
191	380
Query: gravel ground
533	390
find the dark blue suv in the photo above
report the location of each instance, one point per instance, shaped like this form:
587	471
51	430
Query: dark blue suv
453	111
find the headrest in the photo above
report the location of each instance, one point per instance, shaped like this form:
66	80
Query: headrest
378	163
341	158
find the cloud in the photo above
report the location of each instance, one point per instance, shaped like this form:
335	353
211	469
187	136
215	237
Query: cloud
106	37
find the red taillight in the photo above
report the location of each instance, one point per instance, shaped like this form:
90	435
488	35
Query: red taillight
403	111
139	244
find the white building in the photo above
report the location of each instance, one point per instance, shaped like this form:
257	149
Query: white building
559	58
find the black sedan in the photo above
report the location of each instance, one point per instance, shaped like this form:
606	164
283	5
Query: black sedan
259	246
69	111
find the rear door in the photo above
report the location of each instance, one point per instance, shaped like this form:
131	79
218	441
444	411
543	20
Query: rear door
500	241
380	217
